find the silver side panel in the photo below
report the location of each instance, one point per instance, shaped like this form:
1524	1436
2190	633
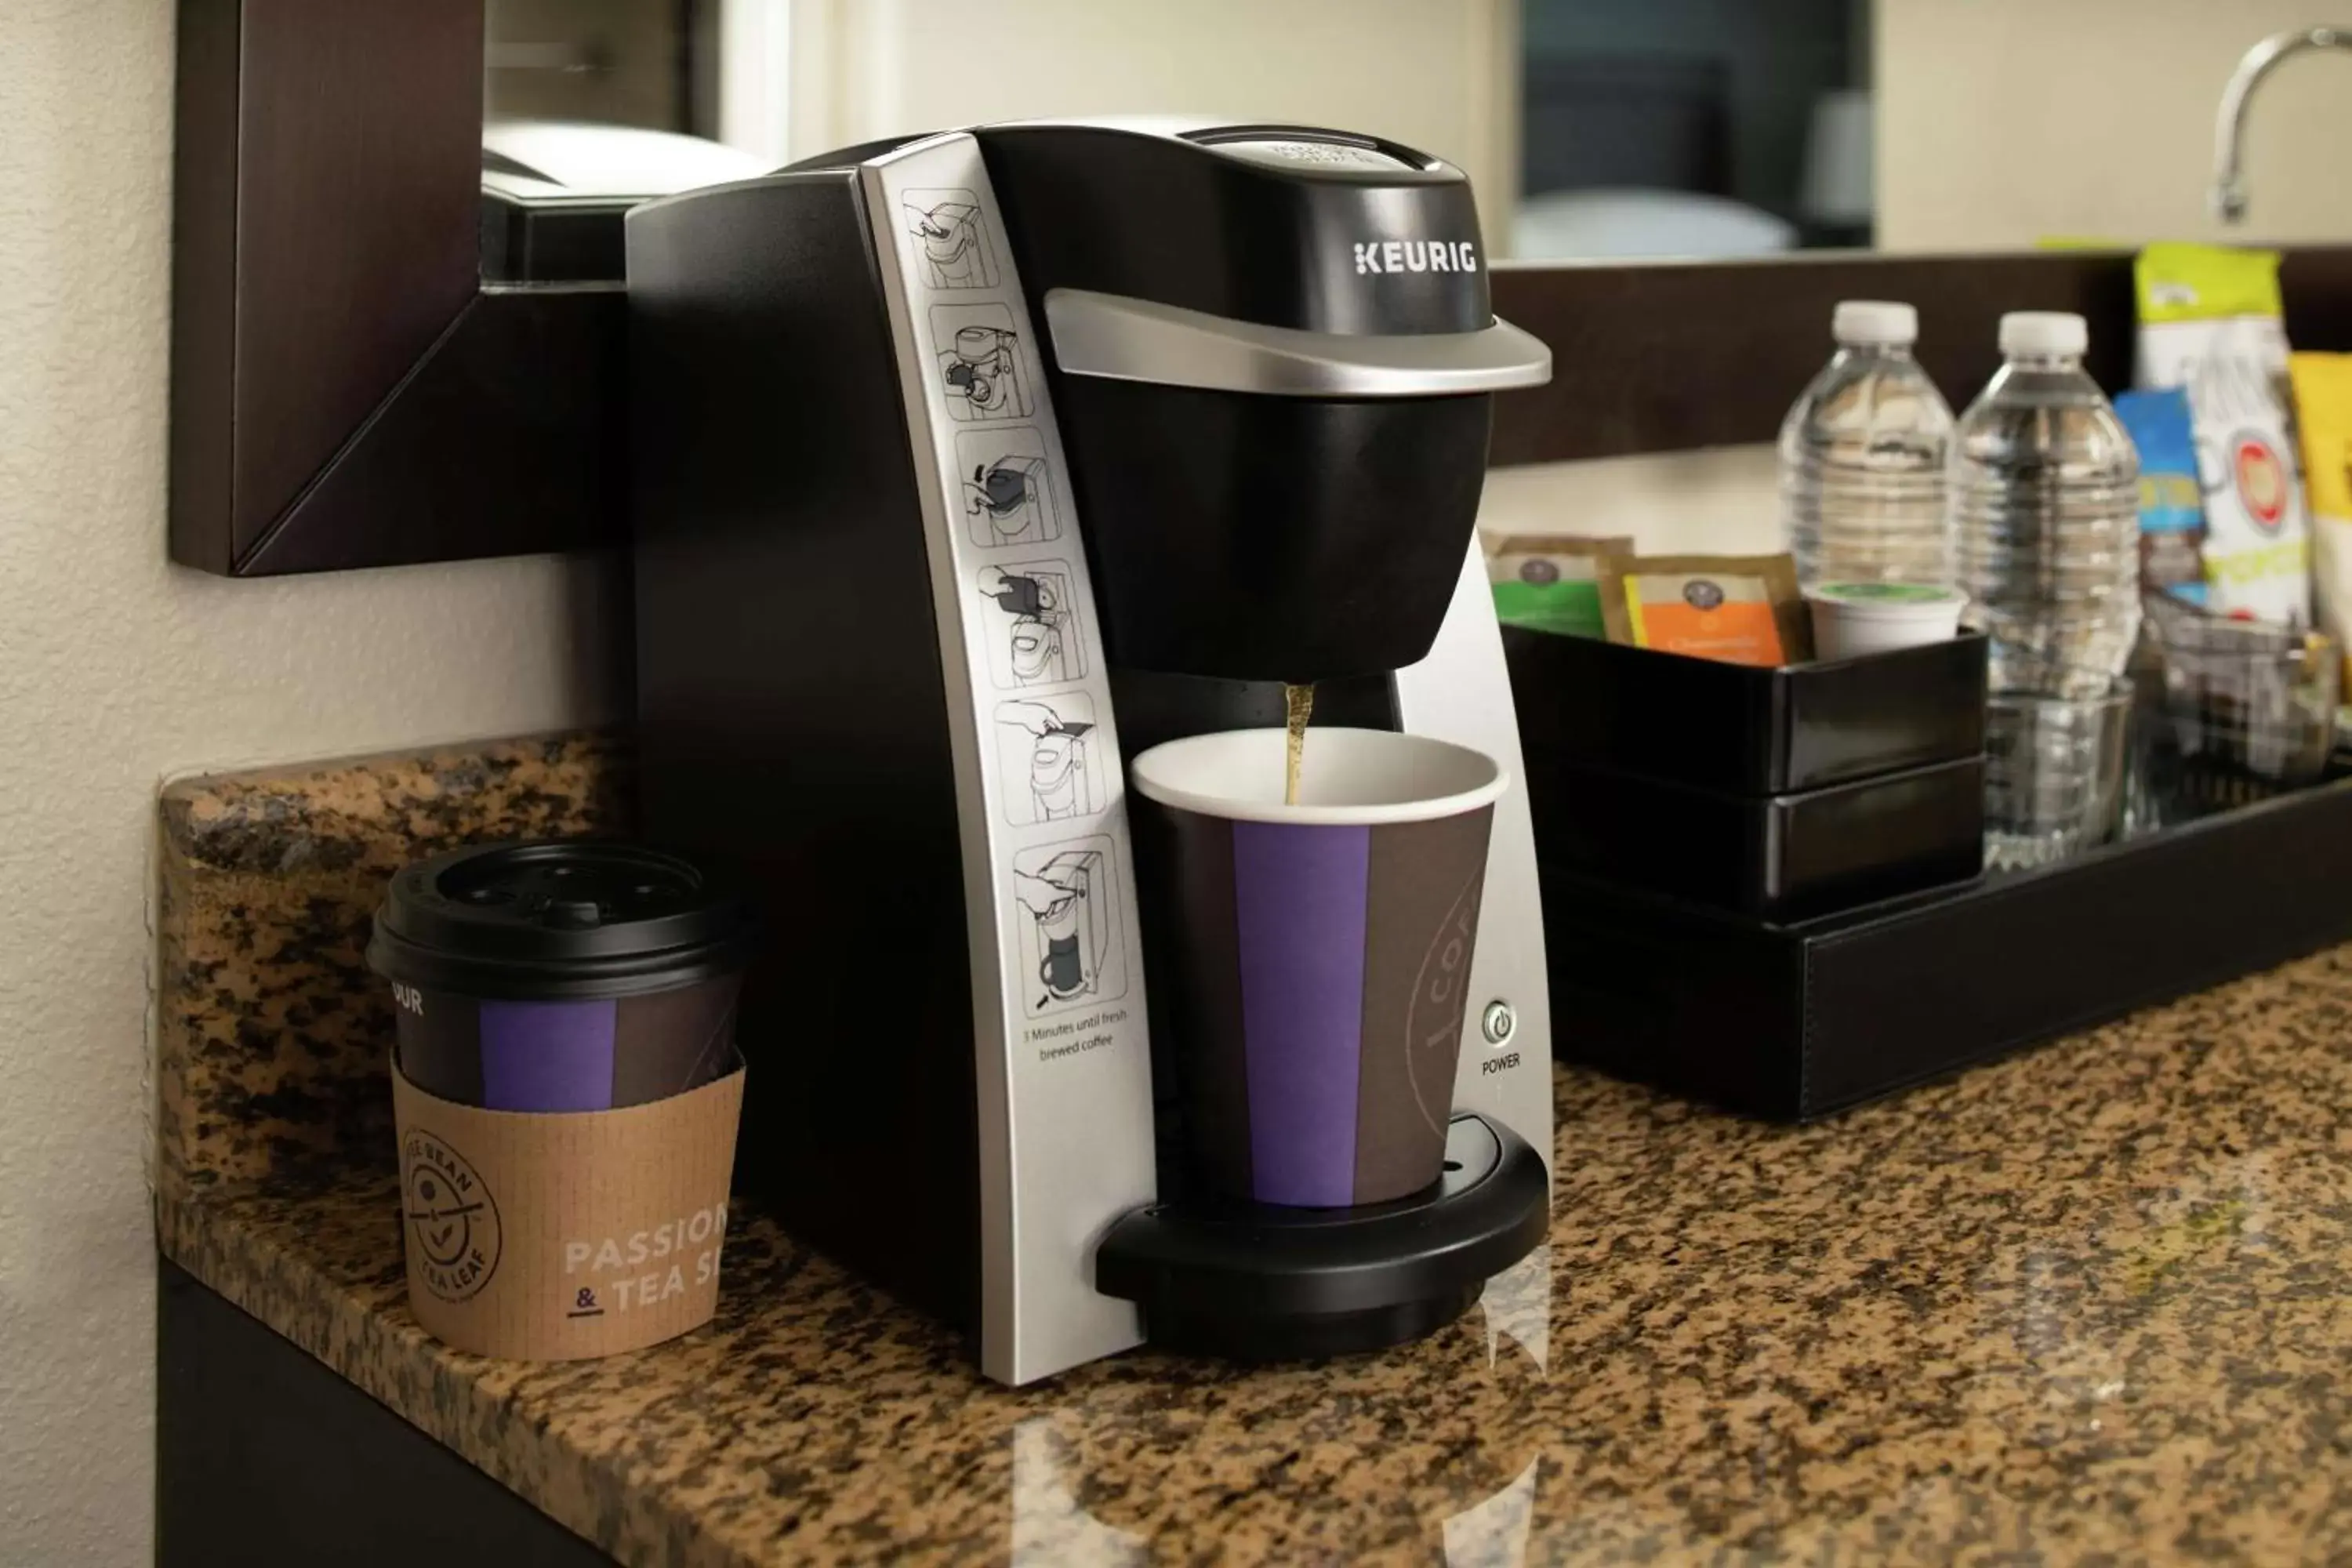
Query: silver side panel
1064	1073
1462	692
1122	339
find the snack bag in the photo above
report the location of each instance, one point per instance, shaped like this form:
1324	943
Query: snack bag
2211	324
2323	413
1549	584
1742	609
2172	507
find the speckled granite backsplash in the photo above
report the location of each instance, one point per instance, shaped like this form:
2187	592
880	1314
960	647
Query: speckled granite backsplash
272	1032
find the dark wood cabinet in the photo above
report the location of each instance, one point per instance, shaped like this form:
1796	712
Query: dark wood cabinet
265	1457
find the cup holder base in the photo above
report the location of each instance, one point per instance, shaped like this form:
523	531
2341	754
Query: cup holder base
1260	1282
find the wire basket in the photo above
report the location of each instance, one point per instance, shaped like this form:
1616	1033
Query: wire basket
2228	712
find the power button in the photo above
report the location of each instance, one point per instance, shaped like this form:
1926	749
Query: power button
1498	1023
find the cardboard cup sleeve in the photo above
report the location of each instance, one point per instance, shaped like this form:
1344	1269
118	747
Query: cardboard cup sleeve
566	1088
537	1236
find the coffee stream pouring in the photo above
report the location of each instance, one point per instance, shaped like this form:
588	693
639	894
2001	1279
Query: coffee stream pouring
1080	481
1297	712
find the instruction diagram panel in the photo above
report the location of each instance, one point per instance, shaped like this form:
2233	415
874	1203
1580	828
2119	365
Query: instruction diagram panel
1049	760
1033	638
1071	947
952	245
980	363
1008	486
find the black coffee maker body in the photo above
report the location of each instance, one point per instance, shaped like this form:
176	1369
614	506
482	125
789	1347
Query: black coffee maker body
1245	377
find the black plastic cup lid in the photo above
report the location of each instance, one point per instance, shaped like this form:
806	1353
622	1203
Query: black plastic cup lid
556	919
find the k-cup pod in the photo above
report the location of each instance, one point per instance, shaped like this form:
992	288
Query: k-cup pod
1850	619
565	1091
1320	951
575	976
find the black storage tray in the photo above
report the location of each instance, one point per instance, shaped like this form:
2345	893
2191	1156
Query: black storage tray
1766	854
1795	1020
1740	729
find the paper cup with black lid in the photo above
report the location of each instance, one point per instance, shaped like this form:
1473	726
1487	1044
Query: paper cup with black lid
566	1090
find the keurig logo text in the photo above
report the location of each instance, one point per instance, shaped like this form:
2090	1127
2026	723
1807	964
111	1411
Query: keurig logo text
1416	256
453	1222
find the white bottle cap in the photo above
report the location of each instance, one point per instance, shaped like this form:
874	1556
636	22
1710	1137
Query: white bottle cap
1857	322
2044	333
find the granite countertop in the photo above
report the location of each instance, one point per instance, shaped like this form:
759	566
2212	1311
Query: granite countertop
2091	1303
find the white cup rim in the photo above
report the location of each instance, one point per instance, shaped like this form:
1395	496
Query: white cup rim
1189	775
1947	608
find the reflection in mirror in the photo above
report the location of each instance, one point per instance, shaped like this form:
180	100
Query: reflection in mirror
2005	124
588	108
1590	128
1693	128
615	62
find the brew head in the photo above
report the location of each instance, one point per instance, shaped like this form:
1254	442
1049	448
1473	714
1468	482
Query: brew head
1273	357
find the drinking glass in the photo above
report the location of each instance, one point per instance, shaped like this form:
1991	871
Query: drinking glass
2053	770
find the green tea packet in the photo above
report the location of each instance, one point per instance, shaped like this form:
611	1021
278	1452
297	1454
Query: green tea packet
1550	584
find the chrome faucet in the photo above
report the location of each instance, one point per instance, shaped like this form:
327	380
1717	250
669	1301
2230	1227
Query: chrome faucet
2229	193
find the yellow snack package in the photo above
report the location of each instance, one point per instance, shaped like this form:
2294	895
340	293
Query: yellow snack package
2322	412
2211	322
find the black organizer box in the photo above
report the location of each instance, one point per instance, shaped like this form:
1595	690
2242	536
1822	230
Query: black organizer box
1773	790
1740	729
1794	1020
1794	997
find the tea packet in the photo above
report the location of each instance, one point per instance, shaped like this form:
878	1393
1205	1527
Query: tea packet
1549	583
1741	609
2212	323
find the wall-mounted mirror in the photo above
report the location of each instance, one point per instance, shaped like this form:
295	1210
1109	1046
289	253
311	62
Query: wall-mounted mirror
614	62
1717	128
1593	129
1692	128
361	378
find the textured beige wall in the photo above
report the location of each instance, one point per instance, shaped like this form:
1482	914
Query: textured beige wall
1440	75
116	669
1719	500
2004	123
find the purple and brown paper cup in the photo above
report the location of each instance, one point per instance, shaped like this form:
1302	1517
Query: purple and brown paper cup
596	1053
561	977
565	1092
1320	953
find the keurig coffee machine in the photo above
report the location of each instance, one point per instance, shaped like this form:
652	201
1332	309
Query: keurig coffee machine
969	465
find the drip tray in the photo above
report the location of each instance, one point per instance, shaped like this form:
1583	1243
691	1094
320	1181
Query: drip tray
1260	1282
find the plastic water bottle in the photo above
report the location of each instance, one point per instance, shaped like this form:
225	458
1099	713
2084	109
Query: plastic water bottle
2045	494
1863	458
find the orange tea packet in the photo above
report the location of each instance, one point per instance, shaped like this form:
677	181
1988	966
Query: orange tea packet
1741	609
